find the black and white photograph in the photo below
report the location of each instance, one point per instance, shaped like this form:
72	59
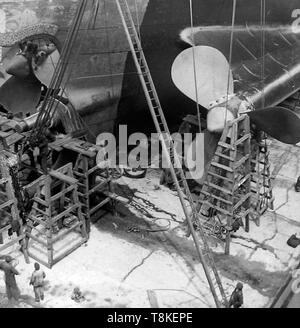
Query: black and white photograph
149	156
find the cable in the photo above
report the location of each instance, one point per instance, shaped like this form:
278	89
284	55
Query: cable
194	66
230	54
263	45
58	75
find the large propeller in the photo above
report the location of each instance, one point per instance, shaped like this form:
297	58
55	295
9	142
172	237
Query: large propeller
26	67
204	75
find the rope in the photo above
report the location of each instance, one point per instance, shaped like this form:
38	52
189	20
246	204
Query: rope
91	25
59	72
194	66
230	54
263	43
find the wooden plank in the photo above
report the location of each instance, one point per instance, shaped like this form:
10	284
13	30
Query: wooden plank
243	139
39	210
219	176
40	201
241	161
217	153
118	198
75	147
12	242
4	135
40	221
63	177
71	250
216	197
7	227
13	139
242	181
97	187
225	145
37	259
96	208
220	166
8	203
38	240
243	200
210	184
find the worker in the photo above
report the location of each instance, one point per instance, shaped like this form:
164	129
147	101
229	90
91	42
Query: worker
236	298
12	290
37	281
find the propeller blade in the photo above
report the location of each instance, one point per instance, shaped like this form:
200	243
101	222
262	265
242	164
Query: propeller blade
278	122
212	70
20	95
44	71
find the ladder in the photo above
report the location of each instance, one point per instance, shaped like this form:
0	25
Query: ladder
9	205
261	182
92	182
226	188
204	252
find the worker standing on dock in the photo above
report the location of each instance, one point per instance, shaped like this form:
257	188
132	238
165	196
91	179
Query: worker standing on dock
12	290
236	299
37	281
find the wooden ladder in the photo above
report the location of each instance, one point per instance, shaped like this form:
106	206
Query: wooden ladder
9	206
92	182
56	201
226	190
261	182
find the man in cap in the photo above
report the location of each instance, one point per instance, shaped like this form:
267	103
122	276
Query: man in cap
12	290
37	281
236	299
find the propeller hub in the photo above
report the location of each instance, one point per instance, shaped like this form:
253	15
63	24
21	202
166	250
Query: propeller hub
217	118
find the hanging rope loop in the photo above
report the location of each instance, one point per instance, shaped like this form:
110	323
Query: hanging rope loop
194	66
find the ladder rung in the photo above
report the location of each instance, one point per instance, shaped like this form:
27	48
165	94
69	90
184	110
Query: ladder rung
224	156
39	210
223	167
241	161
242	201
40	201
219	176
241	140
242	181
212	185
216	197
8	203
225	145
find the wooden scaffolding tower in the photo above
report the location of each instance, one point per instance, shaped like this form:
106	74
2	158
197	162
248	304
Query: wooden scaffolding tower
237	185
226	191
10	220
56	213
95	186
261	182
